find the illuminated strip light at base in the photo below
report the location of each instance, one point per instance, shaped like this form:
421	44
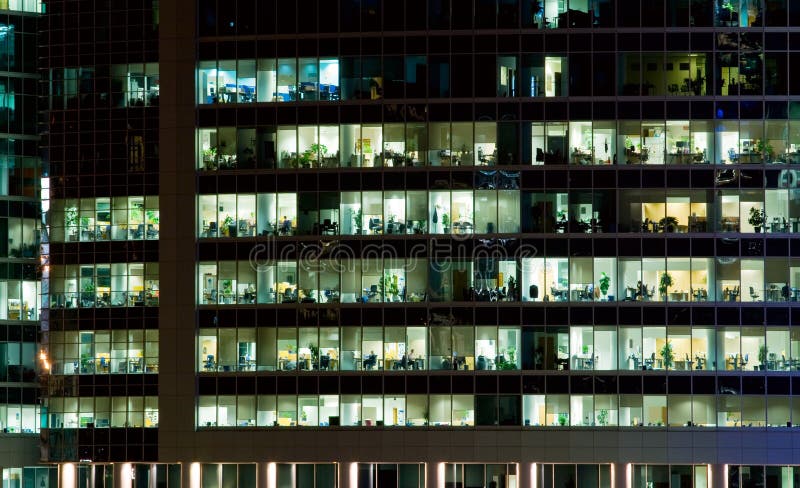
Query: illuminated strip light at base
353	478
68	475
194	475
272	475
126	473
534	481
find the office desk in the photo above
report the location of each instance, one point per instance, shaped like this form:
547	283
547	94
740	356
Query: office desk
678	296
247	365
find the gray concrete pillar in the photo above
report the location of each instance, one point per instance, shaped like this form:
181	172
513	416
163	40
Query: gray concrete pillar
432	475
348	475
122	475
620	471
719	477
68	475
525	476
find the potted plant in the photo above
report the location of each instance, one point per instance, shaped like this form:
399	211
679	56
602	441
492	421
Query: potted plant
668	224
726	11
507	364
563	418
602	417
87	365
314	355
765	149
763	353
305	159
229	226
88	296
605	283
664	283
390	290
358	220
446	223
667	354
71	222
210	158
227	291
320	149
757	218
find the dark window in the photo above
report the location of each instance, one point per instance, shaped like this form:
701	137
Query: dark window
438	14
393	14
678	13
653	13
485	14
628	13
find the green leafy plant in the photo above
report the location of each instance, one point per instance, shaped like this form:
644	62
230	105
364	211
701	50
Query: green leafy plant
389	286
668	224
319	149
510	363
227	287
358	221
664	283
764	148
667	354
71	216
152	216
727	5
445	220
88	292
562	419
210	154
605	283
757	218
86	363
602	417
763	353
628	143
314	353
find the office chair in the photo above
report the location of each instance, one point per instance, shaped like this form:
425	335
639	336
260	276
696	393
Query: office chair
212	229
481	364
375	225
139	232
373	292
753	295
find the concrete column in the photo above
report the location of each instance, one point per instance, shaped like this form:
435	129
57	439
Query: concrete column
122	475
190	475
719	476
620	473
67	475
432	475
348	475
525	476
266	475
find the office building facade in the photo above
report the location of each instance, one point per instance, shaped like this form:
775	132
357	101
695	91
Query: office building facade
424	243
20	226
98	70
